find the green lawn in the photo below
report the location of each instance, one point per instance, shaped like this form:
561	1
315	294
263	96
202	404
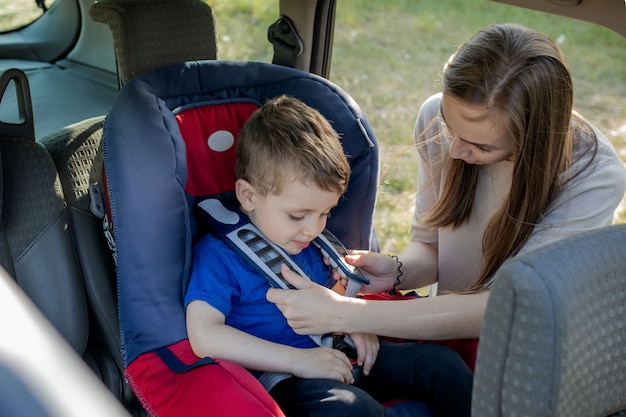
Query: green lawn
388	56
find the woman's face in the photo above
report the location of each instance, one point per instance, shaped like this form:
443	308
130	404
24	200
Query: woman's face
475	139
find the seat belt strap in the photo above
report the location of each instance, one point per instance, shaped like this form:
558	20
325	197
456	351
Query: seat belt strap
235	228
287	43
178	366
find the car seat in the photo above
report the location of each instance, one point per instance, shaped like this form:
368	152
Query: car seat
554	335
168	141
36	246
149	34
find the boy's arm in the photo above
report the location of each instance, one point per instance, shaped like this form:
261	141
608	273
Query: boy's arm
210	336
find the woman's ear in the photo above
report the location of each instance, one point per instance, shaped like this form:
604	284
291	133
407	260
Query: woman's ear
245	194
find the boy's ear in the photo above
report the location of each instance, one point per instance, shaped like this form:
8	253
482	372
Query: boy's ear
245	194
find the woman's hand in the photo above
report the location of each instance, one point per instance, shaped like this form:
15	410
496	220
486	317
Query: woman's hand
367	346
381	269
312	309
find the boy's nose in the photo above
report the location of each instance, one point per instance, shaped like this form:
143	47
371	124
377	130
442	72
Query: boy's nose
313	228
309	231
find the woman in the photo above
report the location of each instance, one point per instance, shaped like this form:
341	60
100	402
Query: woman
506	166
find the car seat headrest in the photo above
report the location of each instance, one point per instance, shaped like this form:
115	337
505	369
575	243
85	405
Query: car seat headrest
149	34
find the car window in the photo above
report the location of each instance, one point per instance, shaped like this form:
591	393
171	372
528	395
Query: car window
15	14
388	56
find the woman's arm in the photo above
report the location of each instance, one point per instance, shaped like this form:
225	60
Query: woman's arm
313	309
452	316
210	336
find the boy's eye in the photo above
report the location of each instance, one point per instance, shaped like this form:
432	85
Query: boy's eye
297	218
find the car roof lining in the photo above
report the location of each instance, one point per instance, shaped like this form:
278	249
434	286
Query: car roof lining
608	13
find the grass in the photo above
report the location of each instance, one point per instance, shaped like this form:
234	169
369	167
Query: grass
388	56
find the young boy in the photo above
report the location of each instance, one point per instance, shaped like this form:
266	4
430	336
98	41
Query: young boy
291	172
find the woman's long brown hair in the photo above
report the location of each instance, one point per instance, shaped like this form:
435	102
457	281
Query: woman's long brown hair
518	76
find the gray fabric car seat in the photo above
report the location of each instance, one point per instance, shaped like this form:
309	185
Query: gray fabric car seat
554	336
36	246
149	34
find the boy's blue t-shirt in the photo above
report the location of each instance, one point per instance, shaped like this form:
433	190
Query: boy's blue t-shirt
221	277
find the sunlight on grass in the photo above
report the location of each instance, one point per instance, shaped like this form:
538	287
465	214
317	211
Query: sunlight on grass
239	24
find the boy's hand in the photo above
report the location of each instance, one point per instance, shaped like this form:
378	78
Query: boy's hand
343	281
323	362
367	346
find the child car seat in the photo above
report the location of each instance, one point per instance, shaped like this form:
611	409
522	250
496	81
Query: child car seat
168	141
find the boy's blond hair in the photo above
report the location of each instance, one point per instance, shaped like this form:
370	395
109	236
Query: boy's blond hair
286	140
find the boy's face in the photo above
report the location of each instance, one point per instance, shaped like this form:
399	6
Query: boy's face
291	219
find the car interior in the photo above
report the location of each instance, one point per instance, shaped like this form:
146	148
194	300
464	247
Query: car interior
81	83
